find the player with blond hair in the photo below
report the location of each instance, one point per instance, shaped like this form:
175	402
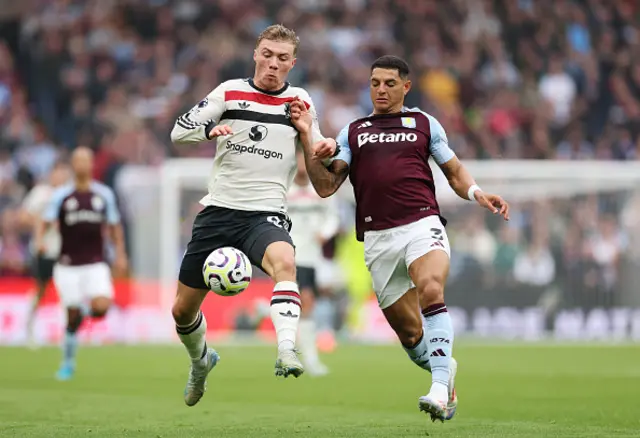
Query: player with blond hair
245	207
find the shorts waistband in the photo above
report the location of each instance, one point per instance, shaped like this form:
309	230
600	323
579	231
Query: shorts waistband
403	227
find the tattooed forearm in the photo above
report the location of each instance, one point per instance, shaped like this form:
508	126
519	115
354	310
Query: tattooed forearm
325	180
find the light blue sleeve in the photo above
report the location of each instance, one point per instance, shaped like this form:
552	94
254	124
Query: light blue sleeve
343	142
111	208
439	146
113	214
52	210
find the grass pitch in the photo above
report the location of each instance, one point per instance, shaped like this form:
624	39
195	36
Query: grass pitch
505	391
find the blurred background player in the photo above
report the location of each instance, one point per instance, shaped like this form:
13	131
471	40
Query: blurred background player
250	121
43	259
316	222
406	247
80	211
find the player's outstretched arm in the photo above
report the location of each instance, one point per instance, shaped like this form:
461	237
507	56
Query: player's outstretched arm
458	176
465	186
199	123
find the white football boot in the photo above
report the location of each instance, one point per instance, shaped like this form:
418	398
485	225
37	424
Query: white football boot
288	364
197	383
442	409
452	404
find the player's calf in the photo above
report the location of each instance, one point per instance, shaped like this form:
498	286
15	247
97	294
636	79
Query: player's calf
417	348
429	274
191	327
286	305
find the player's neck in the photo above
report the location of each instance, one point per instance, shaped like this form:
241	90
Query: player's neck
83	184
262	87
392	110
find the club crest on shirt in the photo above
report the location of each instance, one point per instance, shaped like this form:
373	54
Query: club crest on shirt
71	204
97	203
409	122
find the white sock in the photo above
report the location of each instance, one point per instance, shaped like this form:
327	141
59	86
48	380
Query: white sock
307	338
285	313
193	337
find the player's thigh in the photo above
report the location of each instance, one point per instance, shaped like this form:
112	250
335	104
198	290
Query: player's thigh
213	228
384	257
98	289
269	246
428	259
404	318
68	283
98	281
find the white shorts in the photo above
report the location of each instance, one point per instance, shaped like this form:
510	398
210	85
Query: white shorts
77	284
389	253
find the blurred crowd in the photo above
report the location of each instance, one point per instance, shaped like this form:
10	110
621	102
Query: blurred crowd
541	79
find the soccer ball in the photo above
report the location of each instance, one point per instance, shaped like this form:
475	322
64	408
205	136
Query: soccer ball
227	271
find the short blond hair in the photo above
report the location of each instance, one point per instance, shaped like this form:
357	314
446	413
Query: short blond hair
280	33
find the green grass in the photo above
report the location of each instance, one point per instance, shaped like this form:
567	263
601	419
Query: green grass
505	391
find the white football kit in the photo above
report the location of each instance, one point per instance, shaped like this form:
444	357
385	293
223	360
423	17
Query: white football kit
314	219
255	165
35	203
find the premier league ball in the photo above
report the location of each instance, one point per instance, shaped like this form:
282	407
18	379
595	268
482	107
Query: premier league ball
227	271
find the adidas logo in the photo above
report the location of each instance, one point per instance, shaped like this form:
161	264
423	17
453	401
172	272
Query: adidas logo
243	105
365	125
436	244
288	314
437	353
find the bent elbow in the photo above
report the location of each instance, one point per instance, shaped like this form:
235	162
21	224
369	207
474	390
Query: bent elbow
326	192
177	134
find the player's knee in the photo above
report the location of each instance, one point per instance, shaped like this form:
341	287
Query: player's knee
99	311
285	265
409	336
182	315
431	289
100	307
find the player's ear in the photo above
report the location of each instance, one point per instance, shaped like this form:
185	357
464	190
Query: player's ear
294	62
255	54
407	86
